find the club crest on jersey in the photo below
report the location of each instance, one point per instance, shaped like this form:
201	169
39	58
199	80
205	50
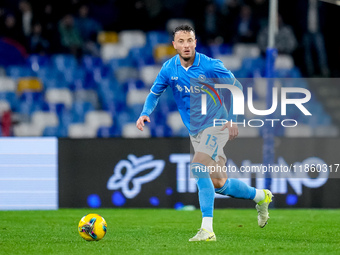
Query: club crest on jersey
202	77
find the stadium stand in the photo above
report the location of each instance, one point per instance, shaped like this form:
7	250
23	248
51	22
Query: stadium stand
4	107
129	131
97	119
81	131
107	37
76	94
7	84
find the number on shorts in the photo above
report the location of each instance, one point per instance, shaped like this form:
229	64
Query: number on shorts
212	142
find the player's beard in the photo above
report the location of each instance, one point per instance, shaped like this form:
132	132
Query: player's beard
187	58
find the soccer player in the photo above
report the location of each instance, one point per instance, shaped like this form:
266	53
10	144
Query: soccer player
189	68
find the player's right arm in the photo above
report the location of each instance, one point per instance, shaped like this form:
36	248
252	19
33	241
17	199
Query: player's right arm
152	99
149	105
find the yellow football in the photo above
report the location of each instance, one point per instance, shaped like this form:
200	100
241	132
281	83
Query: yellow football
92	227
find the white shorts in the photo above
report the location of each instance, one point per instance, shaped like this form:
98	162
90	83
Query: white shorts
211	141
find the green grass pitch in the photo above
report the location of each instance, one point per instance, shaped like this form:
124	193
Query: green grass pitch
163	231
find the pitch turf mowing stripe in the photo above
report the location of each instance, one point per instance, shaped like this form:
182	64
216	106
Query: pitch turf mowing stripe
152	231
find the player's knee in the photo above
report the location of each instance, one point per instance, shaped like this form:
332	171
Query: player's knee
218	182
203	158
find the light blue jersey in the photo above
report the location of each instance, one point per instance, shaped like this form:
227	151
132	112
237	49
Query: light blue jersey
188	85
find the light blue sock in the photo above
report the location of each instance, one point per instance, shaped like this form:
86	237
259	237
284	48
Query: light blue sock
238	189
206	191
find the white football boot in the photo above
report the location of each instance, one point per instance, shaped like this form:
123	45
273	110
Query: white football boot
203	235
262	209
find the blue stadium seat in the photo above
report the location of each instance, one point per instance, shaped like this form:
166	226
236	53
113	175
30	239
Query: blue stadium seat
64	61
107	132
86	83
221	49
27	108
59	131
253	65
110	84
31	97
110	106
324	119
157	37
116	63
123	118
278	130
314	106
104	88
163	106
111	95
90	62
52	77
37	61
50	131
183	132
57	108
73	74
30	102
296	73
99	74
242	73
160	130
160	115
11	97
34	98
132	84
79	109
204	49
287	73
141	56
282	73
53	83
62	131
16	72
66	118
136	110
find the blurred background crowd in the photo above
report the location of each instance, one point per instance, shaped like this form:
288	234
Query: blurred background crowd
71	58
72	26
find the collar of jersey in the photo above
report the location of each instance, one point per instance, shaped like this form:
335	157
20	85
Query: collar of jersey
196	61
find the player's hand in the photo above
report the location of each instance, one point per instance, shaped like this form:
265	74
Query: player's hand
233	130
140	122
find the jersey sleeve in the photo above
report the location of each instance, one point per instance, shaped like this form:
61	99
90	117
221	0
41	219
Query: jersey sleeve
161	82
222	75
150	104
220	72
158	87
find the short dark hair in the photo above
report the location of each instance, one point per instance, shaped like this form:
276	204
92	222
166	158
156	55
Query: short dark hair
184	27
